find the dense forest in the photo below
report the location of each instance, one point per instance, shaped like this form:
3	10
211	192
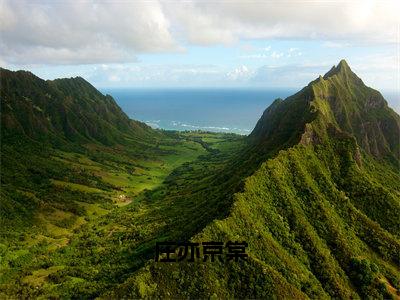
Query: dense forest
86	193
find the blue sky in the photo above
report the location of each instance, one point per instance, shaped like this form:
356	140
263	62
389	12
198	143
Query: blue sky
201	43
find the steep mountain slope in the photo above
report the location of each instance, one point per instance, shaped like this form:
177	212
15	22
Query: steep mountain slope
320	215
60	111
345	103
39	118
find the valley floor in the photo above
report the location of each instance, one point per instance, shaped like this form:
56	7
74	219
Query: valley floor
102	213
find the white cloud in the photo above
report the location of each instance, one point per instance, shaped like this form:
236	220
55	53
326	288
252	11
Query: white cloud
255	52
168	75
294	75
380	71
242	73
83	32
330	44
376	70
114	78
255	56
359	21
78	32
293	52
157	75
276	54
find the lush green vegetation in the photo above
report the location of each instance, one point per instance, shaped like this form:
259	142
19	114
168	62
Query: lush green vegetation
306	235
105	217
314	191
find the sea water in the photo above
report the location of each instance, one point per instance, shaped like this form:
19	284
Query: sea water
221	110
234	110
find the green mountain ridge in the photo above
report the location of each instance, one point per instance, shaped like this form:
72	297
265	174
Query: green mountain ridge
339	99
62	110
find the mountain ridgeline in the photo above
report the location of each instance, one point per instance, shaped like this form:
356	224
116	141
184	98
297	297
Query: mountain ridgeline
314	191
60	111
339	101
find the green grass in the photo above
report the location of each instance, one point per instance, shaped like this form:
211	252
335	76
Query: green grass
100	186
40	276
75	186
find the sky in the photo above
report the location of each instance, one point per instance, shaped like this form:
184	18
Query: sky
201	43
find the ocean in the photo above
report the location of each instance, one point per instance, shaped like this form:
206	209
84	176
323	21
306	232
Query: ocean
234	110
220	110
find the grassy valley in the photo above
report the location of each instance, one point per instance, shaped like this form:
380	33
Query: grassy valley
103	190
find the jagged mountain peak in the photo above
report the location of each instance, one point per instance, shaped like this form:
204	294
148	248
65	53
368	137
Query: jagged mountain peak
338	99
342	67
343	71
72	79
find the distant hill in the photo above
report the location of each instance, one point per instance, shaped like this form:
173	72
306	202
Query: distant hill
61	110
40	119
